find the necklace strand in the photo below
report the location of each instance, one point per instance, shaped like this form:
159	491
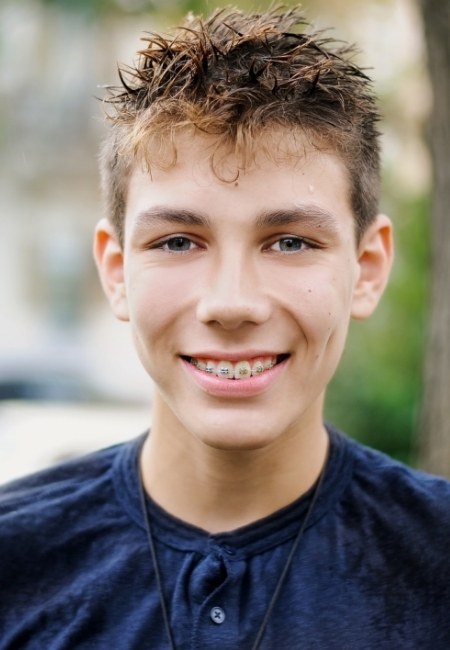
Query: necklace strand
278	586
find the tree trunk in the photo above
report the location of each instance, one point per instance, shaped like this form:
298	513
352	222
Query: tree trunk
434	440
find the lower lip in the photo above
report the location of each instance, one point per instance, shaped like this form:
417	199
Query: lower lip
234	388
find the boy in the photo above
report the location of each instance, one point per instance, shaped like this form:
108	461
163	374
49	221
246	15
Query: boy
241	176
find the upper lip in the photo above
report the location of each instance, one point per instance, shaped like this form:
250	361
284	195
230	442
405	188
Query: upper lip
226	355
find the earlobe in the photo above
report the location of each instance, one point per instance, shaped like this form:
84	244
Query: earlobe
375	257
108	255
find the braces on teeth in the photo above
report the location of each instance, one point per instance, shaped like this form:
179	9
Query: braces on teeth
239	370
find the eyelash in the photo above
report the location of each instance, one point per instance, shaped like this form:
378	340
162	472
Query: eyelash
163	245
303	243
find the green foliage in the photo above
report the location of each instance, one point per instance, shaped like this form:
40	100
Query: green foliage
100	7
172	8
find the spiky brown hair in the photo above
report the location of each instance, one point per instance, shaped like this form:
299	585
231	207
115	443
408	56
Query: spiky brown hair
236	76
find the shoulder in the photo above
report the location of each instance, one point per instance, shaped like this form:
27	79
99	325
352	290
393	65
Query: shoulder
397	495
64	537
51	497
55	479
57	515
376	468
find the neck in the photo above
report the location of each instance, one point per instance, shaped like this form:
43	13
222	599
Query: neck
221	490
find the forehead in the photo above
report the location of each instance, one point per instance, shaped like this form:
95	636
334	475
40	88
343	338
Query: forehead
228	159
284	170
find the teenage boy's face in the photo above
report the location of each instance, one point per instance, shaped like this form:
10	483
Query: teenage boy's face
240	293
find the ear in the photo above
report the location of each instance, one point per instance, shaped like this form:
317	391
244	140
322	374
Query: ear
375	257
108	255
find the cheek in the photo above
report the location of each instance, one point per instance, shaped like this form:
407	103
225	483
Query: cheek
155	289
154	306
321	301
160	310
324	322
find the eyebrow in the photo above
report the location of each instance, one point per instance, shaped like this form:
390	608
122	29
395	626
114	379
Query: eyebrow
306	214
164	214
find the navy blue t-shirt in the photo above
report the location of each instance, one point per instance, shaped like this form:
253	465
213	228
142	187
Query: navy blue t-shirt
371	570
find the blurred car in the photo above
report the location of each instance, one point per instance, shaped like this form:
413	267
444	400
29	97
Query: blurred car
51	411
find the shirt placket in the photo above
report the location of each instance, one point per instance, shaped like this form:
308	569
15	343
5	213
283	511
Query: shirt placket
215	594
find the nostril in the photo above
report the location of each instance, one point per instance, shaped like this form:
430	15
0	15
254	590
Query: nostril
233	313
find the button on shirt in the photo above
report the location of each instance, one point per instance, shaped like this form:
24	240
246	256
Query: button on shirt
217	615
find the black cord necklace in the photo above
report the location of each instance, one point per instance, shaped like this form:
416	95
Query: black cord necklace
278	586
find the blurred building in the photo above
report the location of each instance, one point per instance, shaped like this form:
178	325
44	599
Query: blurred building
54	319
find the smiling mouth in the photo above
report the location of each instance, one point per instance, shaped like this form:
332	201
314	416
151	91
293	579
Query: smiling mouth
242	369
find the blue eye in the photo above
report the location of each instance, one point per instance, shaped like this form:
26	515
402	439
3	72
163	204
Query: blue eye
175	244
289	244
178	244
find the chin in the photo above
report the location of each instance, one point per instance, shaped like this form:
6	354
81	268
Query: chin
236	441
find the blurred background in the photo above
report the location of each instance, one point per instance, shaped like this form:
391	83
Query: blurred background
69	379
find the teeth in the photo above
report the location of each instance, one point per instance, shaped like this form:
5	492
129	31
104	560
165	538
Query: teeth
241	370
258	367
225	369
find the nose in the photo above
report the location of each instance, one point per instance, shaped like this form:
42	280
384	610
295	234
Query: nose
234	294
